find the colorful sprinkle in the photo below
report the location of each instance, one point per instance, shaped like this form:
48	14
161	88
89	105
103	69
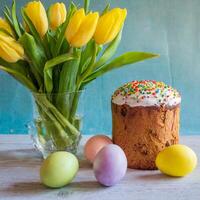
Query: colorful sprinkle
147	92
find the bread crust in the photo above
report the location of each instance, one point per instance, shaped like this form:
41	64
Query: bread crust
142	132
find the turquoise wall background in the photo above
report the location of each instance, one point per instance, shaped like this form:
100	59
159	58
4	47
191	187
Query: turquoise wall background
168	27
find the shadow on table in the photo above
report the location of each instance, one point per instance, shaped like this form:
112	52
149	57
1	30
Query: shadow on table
22	189
20	157
25	156
155	177
85	185
84	164
81	186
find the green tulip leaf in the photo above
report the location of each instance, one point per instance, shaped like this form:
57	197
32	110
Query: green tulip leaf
124	59
46	46
106	9
91	65
58	60
86	56
86	5
84	66
65	47
109	51
100	48
60	38
50	65
20	77
20	66
50	41
67	84
7	16
34	52
7	9
36	56
15	20
86	82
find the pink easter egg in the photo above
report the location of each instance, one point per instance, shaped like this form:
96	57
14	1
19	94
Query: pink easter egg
94	145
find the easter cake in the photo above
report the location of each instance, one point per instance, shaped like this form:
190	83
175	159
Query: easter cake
145	117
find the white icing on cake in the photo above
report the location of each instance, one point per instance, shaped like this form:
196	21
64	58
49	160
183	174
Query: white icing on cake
146	93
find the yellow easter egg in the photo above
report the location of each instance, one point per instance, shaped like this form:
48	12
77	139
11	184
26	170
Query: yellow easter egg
176	160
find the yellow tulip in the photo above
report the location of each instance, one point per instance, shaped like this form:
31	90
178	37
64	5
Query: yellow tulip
57	15
109	25
6	26
81	28
10	50
37	14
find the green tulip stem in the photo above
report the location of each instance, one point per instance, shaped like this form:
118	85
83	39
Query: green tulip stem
79	83
53	128
53	111
74	107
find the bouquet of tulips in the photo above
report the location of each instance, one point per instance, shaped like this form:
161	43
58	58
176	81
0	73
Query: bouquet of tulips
60	51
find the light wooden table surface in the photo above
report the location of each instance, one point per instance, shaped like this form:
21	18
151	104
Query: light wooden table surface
19	178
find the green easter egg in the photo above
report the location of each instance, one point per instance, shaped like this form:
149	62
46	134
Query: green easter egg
59	169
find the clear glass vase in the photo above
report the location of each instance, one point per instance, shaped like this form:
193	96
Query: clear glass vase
57	122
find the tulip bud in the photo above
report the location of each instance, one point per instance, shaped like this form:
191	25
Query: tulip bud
10	50
81	28
37	14
6	26
109	25
57	15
